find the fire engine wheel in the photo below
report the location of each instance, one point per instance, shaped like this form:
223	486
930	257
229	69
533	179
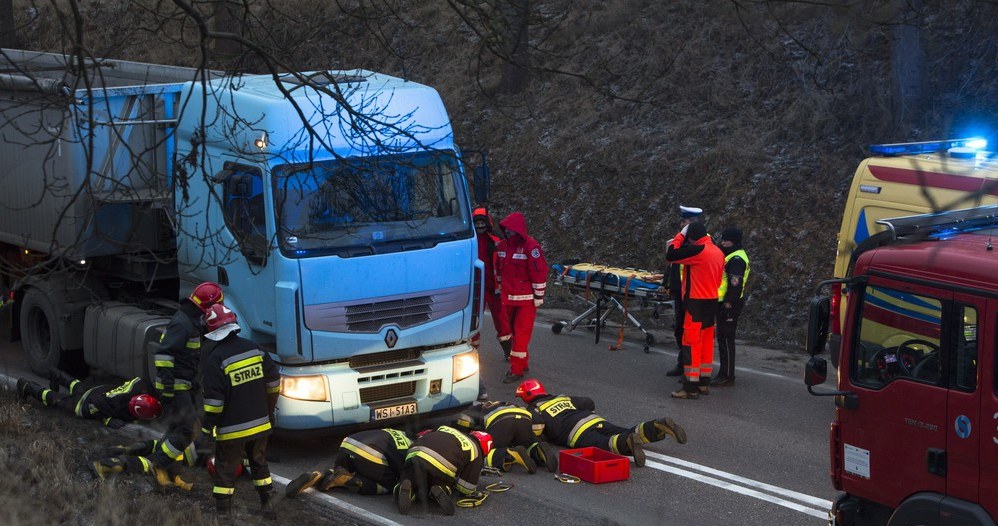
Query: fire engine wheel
39	333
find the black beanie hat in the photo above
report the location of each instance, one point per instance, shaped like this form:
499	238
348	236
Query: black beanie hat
695	231
731	234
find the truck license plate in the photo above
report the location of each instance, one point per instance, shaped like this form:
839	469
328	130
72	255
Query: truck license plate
395	411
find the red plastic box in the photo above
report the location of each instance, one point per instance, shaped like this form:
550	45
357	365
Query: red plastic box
594	465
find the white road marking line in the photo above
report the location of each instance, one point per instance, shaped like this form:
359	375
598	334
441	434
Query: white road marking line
801	497
346	507
731	486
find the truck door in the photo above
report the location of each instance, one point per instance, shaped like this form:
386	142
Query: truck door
966	423
894	441
245	247
988	387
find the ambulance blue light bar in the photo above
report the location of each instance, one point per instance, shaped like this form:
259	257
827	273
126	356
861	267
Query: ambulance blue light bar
911	148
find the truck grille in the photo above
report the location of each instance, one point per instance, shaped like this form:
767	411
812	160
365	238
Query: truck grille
387	392
405	313
383	358
402	311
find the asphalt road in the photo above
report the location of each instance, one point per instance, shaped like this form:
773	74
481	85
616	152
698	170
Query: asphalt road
757	452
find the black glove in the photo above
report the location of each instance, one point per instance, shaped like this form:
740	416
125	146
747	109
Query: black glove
115	423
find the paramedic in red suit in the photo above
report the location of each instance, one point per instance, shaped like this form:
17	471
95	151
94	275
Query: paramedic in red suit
522	280
703	266
488	244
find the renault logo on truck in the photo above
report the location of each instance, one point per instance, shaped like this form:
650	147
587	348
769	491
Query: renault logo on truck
391	338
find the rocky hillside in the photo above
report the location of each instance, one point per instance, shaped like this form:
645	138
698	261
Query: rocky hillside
757	111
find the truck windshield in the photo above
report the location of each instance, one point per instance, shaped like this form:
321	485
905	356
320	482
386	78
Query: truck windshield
370	205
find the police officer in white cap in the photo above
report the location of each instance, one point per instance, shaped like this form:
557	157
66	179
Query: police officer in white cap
687	215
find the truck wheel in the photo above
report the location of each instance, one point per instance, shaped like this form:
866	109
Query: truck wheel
39	334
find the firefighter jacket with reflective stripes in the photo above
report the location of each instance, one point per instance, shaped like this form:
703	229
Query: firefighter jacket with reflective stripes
241	384
480	417
453	454
106	402
384	447
521	270
179	351
736	271
565	418
703	264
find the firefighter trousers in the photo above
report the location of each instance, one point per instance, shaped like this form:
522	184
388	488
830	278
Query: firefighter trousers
229	456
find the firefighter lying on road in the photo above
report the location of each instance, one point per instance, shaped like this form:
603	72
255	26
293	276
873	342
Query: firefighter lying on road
514	438
440	462
571	421
369	462
113	406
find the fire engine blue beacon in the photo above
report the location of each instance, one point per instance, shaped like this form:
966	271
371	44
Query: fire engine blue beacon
962	426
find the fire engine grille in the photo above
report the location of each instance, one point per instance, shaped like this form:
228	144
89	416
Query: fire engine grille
387	392
384	358
403	313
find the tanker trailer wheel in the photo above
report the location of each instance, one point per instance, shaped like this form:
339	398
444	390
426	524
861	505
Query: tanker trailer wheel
39	333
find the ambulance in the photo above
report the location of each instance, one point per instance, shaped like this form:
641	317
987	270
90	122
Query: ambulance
906	179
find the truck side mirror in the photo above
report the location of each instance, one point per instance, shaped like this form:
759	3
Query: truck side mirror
816	371
817	324
482	181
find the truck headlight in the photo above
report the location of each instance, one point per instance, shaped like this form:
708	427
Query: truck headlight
465	365
311	388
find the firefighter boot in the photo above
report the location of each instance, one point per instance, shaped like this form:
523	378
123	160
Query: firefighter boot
550	455
301	483
169	477
106	466
404	496
337	478
441	494
26	388
519	455
267	503
58	378
507	347
223	509
666	427
634	444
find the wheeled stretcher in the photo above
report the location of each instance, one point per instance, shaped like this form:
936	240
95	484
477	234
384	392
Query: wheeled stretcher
606	289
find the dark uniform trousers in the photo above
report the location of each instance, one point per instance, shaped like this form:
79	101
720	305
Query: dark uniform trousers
182	418
229	456
376	479
727	325
510	431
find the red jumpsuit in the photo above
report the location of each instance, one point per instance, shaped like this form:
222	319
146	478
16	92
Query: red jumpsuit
703	266
488	244
522	274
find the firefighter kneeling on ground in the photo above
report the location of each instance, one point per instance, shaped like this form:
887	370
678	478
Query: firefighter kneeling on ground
113	406
369	462
442	461
571	421
514	436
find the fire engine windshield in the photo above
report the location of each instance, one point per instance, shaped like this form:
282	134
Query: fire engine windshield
371	205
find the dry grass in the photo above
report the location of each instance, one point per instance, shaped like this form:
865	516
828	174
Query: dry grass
45	457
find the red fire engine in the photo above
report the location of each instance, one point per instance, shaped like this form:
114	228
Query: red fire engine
915	435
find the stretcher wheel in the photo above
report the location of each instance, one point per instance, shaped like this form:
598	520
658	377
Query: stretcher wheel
591	326
557	327
649	342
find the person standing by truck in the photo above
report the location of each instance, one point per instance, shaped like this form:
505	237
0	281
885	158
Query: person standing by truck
177	364
673	278
731	296
488	244
703	265
522	273
241	384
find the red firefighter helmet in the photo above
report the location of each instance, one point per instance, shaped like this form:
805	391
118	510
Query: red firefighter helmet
219	321
210	464
484	441
145	407
206	294
530	389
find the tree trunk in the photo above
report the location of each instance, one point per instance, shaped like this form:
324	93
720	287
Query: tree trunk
907	67
515	46
8	37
